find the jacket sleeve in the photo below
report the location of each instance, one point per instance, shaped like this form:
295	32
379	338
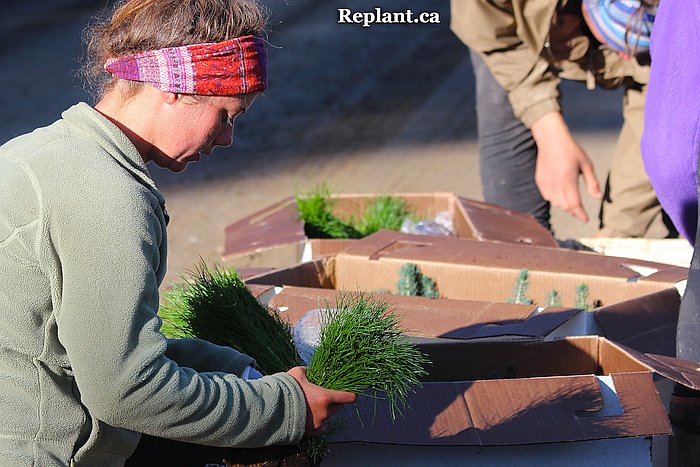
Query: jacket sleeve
201	355
108	239
495	30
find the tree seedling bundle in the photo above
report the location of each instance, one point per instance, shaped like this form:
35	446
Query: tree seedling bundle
315	208
363	350
361	346
214	304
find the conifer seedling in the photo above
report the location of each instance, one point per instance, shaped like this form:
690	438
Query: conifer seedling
316	210
554	299
582	293
412	282
384	213
522	283
363	350
214	304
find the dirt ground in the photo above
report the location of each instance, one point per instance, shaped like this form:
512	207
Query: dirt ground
379	109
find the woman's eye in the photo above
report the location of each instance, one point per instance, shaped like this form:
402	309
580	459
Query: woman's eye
226	120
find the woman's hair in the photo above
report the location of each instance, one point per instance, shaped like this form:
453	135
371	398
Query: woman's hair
141	25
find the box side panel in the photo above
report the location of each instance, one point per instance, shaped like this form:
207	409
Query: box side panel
643	412
489	283
275	256
467	361
328	246
318	273
423	205
508	412
455	319
647	324
536	410
609	452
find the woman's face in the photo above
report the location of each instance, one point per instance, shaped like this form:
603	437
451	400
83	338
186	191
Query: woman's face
194	126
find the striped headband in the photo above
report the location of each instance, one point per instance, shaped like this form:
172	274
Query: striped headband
625	25
236	66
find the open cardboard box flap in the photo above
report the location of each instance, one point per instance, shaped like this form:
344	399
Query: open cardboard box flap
425	317
678	370
508	393
275	236
646	324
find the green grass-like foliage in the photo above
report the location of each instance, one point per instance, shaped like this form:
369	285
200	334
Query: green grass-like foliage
214	304
316	210
362	348
385	212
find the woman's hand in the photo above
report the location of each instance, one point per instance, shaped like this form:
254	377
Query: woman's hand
560	161
321	403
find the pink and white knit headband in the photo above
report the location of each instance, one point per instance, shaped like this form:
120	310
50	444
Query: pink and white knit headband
236	66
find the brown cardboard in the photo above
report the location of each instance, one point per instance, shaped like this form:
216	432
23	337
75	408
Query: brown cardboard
647	323
481	271
509	393
443	318
274	236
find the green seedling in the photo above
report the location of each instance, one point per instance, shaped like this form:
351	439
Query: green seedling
214	304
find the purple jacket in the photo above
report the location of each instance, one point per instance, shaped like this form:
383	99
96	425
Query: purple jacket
670	141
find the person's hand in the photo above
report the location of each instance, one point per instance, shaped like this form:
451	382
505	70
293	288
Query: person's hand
560	161
321	403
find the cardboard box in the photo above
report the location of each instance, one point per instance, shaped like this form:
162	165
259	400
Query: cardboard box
472	335
274	236
482	271
573	401
646	324
427	318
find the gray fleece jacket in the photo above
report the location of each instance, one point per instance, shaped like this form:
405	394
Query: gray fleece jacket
83	366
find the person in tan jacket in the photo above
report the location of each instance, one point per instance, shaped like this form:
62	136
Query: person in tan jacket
520	50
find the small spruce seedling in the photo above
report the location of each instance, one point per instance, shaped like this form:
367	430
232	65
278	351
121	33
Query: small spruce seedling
554	299
412	282
522	283
582	293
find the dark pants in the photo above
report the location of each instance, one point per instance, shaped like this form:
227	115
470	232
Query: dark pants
153	451
688	338
507	150
684	446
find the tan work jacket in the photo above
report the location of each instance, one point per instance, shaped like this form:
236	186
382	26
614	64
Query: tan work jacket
528	45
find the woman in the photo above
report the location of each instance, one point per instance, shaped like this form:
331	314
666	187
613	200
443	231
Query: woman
84	369
520	49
